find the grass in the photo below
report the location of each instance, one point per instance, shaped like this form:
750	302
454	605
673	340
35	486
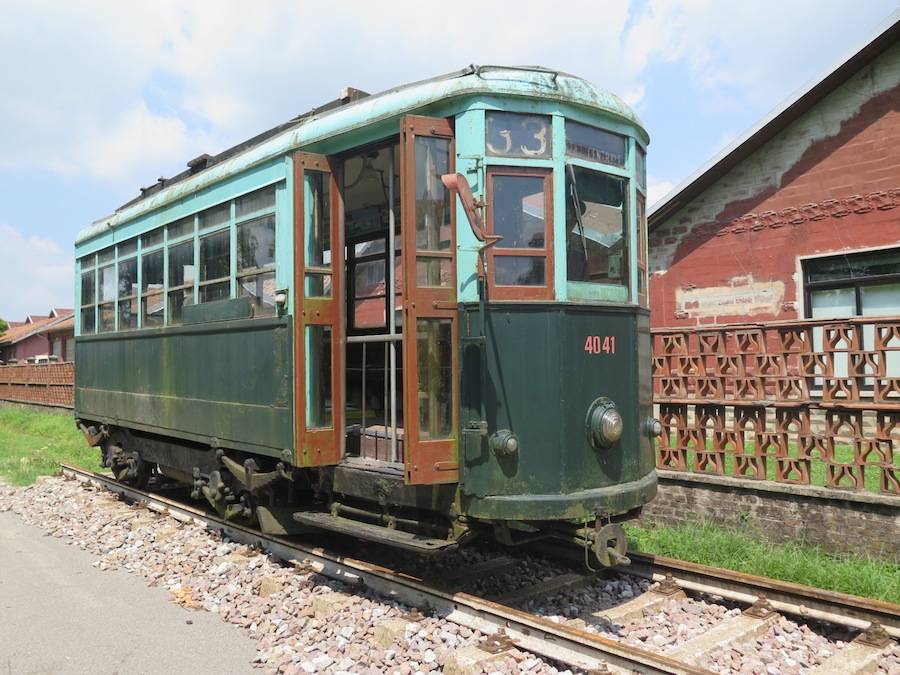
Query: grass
709	544
33	444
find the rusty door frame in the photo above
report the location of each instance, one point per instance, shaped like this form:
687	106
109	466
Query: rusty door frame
318	446
430	461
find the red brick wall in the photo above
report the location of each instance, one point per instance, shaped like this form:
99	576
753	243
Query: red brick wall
843	193
47	384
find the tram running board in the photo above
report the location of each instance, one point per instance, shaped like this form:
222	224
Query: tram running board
355	528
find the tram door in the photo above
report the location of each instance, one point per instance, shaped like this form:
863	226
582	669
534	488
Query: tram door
430	311
318	276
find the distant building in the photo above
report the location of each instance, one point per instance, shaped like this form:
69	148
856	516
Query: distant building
800	218
38	338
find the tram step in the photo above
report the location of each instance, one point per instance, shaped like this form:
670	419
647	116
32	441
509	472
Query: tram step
355	528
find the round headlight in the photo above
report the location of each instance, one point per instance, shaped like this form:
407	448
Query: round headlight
604	423
504	443
653	427
611	426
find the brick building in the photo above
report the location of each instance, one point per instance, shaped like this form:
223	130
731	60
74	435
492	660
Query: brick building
775	312
798	219
39	338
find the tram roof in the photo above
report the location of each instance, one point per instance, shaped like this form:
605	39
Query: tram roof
358	109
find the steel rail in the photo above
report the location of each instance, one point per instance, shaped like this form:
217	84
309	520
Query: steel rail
786	597
527	631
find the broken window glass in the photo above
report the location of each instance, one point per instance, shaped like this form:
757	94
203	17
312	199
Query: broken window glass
596	227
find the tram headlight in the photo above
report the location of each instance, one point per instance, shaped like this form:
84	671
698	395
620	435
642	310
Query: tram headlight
504	443
604	423
653	427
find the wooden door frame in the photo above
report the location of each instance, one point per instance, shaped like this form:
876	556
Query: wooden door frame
506	292
325	446
429	461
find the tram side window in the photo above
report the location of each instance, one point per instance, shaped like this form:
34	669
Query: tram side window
256	263
107	309
596	227
152	299
128	290
215	266
181	279
88	296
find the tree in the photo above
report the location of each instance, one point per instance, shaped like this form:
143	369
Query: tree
3	326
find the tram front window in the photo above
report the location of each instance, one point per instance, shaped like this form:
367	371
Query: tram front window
596	227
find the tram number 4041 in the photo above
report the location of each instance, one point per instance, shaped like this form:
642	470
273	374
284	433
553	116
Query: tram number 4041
600	344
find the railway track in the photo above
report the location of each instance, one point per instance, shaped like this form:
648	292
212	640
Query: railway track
506	617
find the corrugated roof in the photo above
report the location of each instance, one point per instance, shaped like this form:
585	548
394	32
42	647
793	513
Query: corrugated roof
767	128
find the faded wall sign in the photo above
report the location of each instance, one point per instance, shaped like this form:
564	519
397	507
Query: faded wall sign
743	296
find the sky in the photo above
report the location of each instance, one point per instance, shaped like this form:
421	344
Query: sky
100	98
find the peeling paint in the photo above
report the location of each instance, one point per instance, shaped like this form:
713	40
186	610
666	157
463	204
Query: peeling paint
740	297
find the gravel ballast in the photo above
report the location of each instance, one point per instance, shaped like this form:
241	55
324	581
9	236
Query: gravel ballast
302	621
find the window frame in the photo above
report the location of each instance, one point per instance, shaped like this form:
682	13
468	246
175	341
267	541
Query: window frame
856	283
513	292
259	271
352	262
135	296
87	265
138	246
159	248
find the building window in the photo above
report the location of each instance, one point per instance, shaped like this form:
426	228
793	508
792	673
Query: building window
853	284
596	227
521	212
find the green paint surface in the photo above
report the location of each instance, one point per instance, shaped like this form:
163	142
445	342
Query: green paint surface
225	383
539	382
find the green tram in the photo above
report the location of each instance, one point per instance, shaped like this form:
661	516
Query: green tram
418	317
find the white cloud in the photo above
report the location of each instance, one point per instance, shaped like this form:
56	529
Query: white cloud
126	92
37	274
130	91
657	189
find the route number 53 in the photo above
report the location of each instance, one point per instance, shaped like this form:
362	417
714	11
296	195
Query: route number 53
600	344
